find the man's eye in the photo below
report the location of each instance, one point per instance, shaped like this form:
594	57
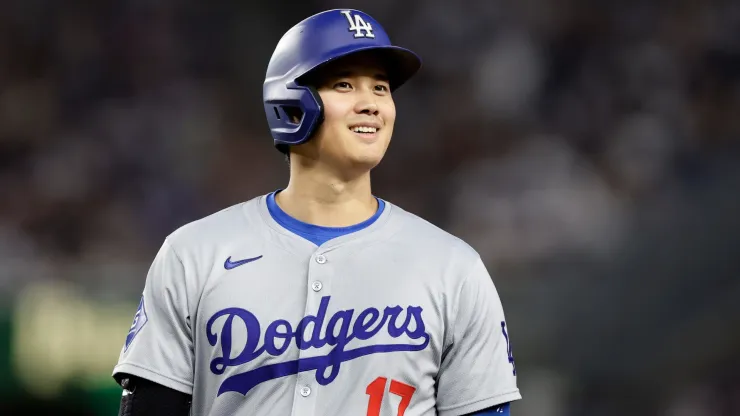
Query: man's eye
342	85
383	88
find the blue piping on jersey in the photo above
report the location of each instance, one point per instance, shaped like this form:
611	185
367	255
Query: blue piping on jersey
316	233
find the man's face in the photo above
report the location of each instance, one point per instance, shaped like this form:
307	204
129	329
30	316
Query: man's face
359	114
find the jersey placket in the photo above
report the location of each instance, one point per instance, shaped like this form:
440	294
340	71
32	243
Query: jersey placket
318	285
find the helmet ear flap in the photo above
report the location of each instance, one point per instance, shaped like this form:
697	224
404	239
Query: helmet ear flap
306	113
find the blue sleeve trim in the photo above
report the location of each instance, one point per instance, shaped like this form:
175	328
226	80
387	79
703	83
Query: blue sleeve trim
498	410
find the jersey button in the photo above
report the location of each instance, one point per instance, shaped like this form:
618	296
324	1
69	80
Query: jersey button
305	391
321	259
316	286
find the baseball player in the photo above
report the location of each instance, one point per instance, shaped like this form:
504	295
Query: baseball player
320	299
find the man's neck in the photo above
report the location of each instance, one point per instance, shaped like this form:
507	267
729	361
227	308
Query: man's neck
318	197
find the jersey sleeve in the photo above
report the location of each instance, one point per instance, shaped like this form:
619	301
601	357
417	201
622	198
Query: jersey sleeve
478	369
159	344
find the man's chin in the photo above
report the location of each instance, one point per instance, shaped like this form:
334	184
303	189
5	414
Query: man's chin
363	161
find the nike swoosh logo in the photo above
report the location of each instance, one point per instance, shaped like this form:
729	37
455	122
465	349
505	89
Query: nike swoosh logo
228	264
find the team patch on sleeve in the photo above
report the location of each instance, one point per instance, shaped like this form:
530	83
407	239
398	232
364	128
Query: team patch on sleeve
139	321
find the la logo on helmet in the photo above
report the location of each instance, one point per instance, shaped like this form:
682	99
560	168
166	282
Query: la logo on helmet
358	25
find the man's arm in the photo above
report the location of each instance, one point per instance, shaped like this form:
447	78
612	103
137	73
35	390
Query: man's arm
155	366
142	397
478	370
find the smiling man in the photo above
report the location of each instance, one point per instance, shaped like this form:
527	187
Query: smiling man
321	299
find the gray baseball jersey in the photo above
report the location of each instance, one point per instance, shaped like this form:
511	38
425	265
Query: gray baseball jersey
400	318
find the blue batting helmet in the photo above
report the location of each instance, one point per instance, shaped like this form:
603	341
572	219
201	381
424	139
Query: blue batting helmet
293	110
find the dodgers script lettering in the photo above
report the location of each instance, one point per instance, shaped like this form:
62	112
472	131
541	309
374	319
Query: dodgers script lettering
310	333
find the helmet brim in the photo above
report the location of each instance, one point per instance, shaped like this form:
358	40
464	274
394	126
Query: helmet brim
401	63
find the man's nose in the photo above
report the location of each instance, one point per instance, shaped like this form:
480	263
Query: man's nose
367	104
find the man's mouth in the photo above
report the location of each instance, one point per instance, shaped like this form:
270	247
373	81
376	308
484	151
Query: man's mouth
364	129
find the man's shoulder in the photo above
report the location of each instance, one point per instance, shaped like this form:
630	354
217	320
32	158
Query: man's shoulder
235	221
430	237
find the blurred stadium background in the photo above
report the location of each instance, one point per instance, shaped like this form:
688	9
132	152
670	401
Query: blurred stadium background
588	150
